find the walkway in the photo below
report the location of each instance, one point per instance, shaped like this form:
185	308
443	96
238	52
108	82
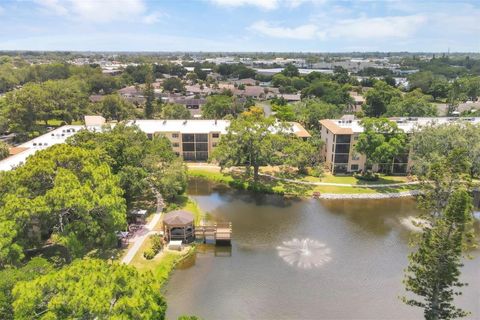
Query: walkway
145	232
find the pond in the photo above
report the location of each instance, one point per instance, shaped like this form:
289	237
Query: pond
302	259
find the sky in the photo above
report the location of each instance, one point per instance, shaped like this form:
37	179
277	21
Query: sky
241	25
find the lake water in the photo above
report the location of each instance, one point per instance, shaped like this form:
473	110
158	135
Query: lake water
308	259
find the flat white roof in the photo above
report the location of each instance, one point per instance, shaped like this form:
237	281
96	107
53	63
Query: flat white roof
408	124
56	136
182	126
61	134
196	126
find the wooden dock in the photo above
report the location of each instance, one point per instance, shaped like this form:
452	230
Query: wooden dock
218	232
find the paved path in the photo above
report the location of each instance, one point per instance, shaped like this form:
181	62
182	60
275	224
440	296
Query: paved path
387	195
145	232
331	184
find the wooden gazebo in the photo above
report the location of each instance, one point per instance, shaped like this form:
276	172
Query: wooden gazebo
179	225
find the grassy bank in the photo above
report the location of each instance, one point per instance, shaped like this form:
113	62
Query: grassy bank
163	263
273	186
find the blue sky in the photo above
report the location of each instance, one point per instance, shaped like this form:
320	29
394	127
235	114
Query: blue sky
240	25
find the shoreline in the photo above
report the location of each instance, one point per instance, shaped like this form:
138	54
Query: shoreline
368	196
304	189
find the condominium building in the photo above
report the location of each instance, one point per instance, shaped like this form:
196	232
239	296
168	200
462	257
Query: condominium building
195	140
340	137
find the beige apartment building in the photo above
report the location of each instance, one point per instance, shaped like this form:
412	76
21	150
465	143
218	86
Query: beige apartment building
195	140
341	135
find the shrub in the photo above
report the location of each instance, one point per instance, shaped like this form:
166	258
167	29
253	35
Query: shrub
317	171
157	243
367	176
149	254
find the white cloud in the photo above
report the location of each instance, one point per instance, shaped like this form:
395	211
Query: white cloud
53	6
303	32
264	4
154	17
368	28
107	10
296	3
348	29
100	10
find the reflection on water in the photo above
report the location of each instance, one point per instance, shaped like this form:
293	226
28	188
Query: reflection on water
305	253
357	273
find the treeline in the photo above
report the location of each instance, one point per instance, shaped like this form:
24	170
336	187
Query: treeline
14	73
440	87
68	201
446	66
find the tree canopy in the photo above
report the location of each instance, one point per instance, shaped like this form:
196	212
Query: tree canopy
4	150
175	111
412	104
90	289
380	141
219	106
379	98
138	161
114	107
63	194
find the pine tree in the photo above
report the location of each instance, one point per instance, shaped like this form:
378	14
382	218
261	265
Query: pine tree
434	269
149	96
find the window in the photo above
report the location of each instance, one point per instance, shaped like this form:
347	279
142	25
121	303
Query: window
343	138
149	136
188	147
354	167
355	138
175	145
201	137
341	158
355	156
214	144
215	135
188	137
175	135
342	148
201	146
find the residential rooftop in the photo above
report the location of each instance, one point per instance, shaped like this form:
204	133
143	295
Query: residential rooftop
95	123
23	151
348	125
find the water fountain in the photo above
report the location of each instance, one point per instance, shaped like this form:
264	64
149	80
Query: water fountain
304	253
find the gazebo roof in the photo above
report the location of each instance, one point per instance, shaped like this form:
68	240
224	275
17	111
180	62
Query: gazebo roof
178	217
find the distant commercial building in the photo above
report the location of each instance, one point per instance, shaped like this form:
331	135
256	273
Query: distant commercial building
341	135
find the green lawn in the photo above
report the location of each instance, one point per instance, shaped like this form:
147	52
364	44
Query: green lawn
163	264
57	123
352	180
290	188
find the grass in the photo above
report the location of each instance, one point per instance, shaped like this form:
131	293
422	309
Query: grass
57	123
162	265
239	181
330	178
184	202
